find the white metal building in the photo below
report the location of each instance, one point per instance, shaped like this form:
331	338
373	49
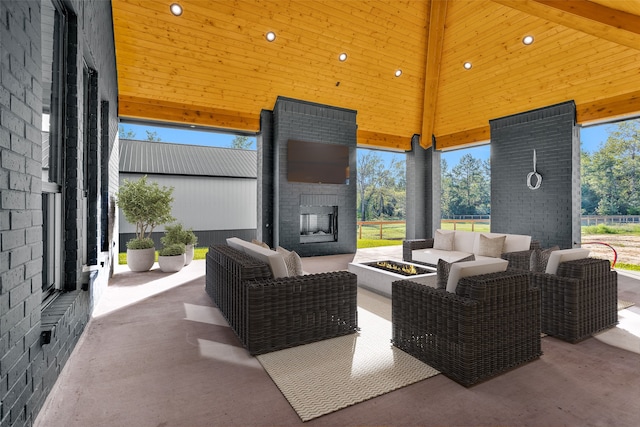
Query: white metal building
215	189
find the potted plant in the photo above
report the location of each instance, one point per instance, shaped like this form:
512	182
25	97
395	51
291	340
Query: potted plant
176	234
171	258
146	205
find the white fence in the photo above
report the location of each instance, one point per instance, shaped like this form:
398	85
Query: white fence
610	219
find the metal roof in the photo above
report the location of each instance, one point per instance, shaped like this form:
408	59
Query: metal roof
179	159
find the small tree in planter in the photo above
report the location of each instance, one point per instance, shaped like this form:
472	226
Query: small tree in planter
176	234
171	258
146	205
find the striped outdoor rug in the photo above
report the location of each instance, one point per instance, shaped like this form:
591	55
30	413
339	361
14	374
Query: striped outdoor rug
329	375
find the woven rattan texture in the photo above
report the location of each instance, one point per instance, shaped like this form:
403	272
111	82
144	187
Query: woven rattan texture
272	314
496	327
580	300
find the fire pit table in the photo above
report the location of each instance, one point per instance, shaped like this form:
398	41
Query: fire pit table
377	276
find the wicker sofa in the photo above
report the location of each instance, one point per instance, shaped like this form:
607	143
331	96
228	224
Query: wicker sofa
269	314
491	324
517	249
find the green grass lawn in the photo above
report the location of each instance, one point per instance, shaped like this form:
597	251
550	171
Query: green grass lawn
393	234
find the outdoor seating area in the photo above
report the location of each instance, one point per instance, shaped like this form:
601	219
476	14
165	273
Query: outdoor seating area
216	364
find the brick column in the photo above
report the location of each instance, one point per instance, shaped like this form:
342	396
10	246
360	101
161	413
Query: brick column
423	191
551	213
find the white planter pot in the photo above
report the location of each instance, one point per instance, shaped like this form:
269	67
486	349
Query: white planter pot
188	255
141	259
171	264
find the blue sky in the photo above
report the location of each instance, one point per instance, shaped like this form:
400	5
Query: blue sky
591	138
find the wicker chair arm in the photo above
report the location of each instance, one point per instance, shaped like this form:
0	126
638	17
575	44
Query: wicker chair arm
520	260
408	246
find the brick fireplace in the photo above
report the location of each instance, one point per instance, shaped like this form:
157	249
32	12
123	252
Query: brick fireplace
309	218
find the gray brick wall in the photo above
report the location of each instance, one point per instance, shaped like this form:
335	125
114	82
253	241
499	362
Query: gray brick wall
550	214
312	122
265	180
29	369
423	191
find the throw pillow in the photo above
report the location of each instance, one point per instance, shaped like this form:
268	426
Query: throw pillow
443	240
282	250
540	258
259	243
491	247
444	268
294	264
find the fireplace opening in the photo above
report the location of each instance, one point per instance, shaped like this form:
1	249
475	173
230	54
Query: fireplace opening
318	224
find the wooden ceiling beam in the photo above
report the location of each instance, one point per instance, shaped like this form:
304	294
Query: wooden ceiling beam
471	136
437	17
382	140
152	109
615	107
591	18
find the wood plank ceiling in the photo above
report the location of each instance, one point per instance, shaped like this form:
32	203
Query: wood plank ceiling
213	67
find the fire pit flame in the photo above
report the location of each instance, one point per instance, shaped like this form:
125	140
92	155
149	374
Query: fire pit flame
408	269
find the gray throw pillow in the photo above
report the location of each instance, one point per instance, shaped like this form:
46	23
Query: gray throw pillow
491	246
444	240
444	268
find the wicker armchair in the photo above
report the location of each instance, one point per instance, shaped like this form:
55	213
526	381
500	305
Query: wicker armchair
272	314
490	325
579	300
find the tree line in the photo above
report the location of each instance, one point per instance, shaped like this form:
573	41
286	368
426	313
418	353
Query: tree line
611	175
610	179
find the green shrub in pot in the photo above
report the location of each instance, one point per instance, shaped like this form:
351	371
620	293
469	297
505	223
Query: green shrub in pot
146	205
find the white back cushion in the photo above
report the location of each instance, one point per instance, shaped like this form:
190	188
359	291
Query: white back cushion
236	243
474	268
464	241
516	243
272	258
564	255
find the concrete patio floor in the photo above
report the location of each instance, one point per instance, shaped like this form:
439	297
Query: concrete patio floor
158	353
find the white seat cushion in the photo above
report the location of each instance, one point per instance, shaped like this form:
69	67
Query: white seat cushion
564	255
474	268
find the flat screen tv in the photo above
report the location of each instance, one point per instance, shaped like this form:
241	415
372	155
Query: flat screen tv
317	162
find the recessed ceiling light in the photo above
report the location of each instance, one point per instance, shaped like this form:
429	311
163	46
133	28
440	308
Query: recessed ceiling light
176	9
271	36
192	126
342	57
398	72
527	40
467	65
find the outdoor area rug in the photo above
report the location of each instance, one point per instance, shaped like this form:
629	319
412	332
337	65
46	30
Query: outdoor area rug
622	304
329	375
